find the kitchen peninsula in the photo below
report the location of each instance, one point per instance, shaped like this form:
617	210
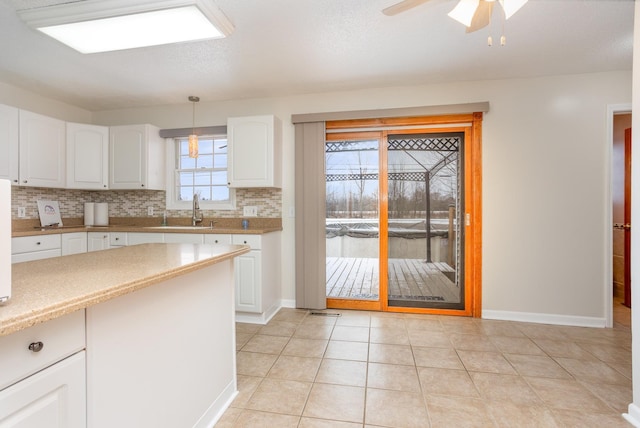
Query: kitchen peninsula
134	336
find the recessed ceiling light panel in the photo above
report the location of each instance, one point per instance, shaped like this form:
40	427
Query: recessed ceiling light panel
107	25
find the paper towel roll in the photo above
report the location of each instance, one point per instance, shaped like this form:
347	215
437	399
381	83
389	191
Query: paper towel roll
101	214
89	208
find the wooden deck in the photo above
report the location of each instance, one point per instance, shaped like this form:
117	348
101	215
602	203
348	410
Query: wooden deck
409	279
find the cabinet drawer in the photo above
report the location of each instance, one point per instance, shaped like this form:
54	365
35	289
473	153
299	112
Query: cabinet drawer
254	241
118	239
217	238
35	255
60	338
28	244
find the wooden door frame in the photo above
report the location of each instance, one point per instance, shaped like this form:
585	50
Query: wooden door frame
471	125
627	217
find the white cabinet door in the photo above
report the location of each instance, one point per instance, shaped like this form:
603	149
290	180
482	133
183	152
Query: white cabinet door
217	238
254	151
136	157
27	248
248	274
97	241
134	238
9	143
87	156
42	150
54	397
74	243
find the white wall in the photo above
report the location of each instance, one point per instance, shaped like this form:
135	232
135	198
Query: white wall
545	162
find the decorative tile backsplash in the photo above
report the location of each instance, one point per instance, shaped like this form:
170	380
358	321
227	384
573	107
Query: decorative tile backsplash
134	203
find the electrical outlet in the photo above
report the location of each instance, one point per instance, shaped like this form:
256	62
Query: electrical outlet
250	211
22	212
149	211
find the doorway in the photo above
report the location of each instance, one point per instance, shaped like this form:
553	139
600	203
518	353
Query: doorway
399	204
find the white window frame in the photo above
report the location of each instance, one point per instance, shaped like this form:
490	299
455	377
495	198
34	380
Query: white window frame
172	203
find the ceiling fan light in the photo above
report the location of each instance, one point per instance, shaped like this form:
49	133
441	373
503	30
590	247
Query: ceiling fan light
511	6
464	11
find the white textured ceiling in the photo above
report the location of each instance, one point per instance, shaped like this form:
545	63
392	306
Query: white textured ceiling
285	47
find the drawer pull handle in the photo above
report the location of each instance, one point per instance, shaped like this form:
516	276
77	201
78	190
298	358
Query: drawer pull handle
36	346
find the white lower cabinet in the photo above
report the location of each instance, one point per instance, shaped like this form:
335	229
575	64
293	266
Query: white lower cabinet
44	381
54	397
97	241
27	248
74	243
248	274
183	238
134	238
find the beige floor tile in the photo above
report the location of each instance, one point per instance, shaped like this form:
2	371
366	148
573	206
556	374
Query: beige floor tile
490	362
509	415
501	387
444	358
355	320
608	354
459	412
342	372
254	364
290	315
624	369
388	322
396	409
242	339
537	366
516	345
423	324
247	328
391	354
311	331
446	382
350	334
266	344
312	320
540	331
593	371
229	418
295	368
433	339
247	385
472	342
342	403
313	348
391	376
460	325
575	419
498	328
280	396
391	336
340	350
257	419
324	423
279	328
563	349
616	397
567	394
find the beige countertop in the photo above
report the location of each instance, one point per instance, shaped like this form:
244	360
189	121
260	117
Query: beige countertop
149	225
46	289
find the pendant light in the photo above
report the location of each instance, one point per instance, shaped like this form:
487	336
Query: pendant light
193	138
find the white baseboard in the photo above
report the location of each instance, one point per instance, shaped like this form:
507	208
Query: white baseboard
218	407
261	318
555	319
633	415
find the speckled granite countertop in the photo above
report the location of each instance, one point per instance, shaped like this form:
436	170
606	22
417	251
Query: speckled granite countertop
257	226
46	289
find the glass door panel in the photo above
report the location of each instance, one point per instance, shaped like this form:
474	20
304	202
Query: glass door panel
425	206
352	217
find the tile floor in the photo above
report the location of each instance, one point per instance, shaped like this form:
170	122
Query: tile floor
370	369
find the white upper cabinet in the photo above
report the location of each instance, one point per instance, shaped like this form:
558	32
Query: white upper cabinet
42	150
136	157
254	151
9	140
87	156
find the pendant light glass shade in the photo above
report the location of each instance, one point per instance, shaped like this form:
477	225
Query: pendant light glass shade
193	138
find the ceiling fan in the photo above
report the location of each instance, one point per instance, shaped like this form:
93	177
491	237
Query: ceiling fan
473	14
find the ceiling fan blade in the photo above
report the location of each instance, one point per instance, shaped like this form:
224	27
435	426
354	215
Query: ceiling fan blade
402	6
482	16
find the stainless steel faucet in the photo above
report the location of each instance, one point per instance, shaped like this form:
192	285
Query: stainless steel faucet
196	216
